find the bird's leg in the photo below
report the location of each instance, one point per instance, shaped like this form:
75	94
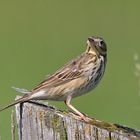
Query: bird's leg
81	115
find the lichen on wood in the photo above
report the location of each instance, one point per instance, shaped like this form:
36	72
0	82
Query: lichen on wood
38	121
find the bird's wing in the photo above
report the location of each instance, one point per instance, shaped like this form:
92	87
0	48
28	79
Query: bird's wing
69	72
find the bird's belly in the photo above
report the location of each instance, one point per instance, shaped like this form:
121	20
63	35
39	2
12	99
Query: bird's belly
90	85
60	93
83	90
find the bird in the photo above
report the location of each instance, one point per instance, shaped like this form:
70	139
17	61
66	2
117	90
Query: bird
77	77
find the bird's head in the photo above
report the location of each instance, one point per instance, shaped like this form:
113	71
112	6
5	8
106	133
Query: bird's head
96	45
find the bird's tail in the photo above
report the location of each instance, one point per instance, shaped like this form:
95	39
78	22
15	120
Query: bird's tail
22	99
22	90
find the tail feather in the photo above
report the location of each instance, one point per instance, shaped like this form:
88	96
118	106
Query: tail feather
21	90
22	99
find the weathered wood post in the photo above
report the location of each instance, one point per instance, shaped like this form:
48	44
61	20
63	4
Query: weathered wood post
37	121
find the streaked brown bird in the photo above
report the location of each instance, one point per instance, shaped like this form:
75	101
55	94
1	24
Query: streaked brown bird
76	78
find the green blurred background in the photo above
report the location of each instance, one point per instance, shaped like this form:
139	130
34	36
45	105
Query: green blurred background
39	36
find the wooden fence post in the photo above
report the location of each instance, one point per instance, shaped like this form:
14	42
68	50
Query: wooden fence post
37	121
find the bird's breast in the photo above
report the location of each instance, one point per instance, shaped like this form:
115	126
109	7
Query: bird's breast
94	77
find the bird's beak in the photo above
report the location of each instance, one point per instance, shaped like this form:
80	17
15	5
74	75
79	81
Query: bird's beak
91	46
91	42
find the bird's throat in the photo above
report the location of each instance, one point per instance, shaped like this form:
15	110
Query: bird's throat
92	50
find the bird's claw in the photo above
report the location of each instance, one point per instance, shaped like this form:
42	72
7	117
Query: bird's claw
83	117
86	118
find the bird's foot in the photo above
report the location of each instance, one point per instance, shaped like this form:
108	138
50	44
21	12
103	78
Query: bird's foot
82	116
86	118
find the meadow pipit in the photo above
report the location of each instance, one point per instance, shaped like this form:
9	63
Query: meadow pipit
75	78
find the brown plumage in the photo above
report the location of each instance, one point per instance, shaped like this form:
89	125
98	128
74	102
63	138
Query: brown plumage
77	77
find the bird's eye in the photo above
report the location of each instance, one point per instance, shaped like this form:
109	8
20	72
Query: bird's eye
102	45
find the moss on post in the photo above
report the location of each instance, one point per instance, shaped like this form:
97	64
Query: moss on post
38	121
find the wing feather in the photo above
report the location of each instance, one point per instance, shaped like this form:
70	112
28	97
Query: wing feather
69	72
